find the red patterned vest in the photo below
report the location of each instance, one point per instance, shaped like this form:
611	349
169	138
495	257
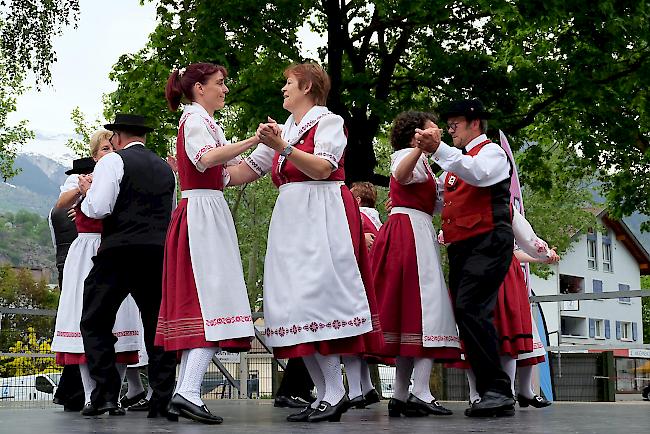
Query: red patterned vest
421	196
469	211
285	171
86	224
189	176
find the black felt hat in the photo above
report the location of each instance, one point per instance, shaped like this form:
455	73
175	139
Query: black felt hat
469	108
82	166
129	122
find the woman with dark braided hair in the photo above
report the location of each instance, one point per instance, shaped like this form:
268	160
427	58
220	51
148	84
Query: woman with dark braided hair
415	309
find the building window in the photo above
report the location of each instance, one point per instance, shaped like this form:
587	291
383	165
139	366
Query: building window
623	287
592	251
598	328
574	326
607	254
626	331
571	285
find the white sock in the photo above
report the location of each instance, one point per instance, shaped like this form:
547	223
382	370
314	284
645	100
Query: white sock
421	376
526	381
353	372
149	393
181	370
87	381
330	366
366	381
134	381
198	360
403	369
471	380
509	365
316	377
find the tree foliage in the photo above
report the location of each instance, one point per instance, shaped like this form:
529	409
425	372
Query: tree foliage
27	29
571	75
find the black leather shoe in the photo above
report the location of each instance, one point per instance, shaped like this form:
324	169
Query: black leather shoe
357	402
536	401
416	404
492	404
329	412
371	397
301	416
117	412
127	402
396	408
142	405
91	409
290	402
156	408
192	411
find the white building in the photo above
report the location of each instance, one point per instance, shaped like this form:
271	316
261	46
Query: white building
607	259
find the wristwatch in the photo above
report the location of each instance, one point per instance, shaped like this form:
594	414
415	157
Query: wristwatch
286	151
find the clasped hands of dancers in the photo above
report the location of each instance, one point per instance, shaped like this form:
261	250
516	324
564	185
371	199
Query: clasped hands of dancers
337	286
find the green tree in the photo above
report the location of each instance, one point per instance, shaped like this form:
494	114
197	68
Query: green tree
645	310
569	75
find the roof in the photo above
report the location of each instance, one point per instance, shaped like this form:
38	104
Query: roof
629	240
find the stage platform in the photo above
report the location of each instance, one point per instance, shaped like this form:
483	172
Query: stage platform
259	416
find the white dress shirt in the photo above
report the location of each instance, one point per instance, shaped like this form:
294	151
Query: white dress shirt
488	167
102	195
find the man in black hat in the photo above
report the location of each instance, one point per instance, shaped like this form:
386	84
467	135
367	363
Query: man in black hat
69	392
476	221
132	191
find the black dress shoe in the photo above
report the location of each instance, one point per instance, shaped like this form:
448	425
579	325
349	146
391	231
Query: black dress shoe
492	404
91	409
192	411
357	402
117	412
396	408
329	412
301	416
157	408
290	402
371	397
142	405
416	404
536	401
127	402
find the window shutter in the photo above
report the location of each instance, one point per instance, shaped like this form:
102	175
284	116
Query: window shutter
597	285
592	328
618	330
623	287
634	331
607	333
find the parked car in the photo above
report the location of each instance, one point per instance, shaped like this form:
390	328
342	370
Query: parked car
37	387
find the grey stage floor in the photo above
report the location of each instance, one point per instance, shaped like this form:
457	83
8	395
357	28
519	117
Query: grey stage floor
259	416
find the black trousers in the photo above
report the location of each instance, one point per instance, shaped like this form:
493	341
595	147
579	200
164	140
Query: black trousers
296	380
477	268
117	272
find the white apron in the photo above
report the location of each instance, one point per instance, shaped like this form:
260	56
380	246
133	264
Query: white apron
67	334
438	322
538	346
313	289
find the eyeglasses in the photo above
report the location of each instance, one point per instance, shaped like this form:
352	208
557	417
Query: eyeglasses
110	140
451	126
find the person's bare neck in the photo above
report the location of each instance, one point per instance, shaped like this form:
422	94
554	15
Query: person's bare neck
300	112
130	140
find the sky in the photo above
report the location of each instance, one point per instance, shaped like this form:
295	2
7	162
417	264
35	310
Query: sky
106	30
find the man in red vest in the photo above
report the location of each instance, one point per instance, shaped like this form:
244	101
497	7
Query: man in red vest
477	224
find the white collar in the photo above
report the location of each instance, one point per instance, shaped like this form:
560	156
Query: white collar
372	214
195	107
291	130
480	139
133	143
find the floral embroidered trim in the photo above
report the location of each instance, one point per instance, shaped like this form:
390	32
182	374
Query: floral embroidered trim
69	334
298	135
314	326
202	152
328	156
415	338
228	320
436	338
537	345
118	334
253	165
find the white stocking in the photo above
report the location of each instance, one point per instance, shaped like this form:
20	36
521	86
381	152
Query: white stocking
181	370
135	382
509	365
353	372
421	376
526	381
330	366
87	381
471	380
198	360
316	377
366	381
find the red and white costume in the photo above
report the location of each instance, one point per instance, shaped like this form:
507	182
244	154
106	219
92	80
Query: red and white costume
371	221
204	303
416	312
317	267
67	341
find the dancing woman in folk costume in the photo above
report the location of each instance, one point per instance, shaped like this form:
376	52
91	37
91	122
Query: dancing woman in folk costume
67	342
415	308
366	195
316	269
205	304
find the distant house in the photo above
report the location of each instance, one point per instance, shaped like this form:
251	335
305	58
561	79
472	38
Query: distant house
606	259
